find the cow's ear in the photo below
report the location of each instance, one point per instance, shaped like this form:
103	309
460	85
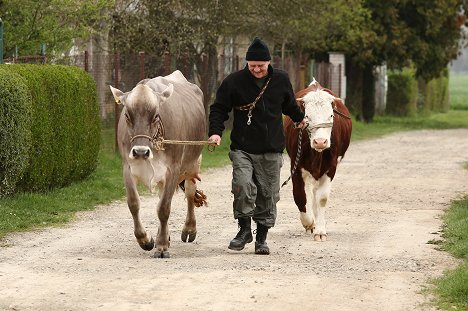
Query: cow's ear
117	94
167	92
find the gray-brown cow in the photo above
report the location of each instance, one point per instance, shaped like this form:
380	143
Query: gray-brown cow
168	108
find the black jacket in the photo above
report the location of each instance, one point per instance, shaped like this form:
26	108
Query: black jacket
265	133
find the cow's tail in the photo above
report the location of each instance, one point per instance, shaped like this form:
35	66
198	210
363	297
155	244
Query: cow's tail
199	199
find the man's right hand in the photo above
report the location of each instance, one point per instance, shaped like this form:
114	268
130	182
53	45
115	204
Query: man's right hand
215	139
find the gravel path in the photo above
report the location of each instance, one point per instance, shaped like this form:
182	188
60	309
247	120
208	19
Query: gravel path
386	202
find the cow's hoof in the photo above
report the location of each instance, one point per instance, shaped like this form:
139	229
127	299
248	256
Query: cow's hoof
320	237
188	236
148	246
163	254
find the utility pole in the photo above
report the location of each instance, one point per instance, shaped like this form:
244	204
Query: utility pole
1	41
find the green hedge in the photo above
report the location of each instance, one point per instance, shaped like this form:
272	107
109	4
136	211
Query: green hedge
437	94
15	130
64	125
402	93
407	96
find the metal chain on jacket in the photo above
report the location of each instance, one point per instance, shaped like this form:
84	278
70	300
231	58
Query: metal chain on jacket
251	106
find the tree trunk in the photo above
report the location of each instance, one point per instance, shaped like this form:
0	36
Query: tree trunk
360	91
207	68
368	93
354	75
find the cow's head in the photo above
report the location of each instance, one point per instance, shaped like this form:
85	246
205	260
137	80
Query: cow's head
141	111
318	106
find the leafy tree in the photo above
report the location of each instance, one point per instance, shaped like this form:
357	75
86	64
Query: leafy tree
423	34
399	33
174	25
56	23
312	26
178	26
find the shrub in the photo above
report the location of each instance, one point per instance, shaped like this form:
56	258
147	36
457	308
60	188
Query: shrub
64	125
402	94
437	94
15	130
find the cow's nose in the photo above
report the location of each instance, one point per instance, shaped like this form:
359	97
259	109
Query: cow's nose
320	143
142	153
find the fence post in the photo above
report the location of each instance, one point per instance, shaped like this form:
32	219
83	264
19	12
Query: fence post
43	53
142	65
1	41
166	63
302	74
15	57
185	64
222	65
339	81
86	60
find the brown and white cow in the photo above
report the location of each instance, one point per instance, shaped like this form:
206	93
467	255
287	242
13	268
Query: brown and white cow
323	144
168	108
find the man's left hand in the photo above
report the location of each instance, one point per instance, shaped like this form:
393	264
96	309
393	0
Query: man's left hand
302	124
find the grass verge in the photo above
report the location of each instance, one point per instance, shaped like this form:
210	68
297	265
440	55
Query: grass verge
28	211
451	289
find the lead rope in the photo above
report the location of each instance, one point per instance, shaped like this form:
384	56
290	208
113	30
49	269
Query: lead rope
158	140
296	161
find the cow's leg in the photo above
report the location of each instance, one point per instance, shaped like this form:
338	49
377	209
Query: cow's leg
145	241
321	195
164	210
189	232
300	199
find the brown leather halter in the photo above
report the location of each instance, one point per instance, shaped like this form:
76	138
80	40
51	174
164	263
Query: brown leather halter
158	140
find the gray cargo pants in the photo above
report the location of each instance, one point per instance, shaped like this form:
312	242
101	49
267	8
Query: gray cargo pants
256	185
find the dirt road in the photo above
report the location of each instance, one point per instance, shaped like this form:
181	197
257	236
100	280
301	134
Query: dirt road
386	203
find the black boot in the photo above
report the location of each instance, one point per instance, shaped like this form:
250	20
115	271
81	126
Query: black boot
261	247
244	235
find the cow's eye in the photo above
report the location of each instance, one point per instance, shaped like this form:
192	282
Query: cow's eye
127	119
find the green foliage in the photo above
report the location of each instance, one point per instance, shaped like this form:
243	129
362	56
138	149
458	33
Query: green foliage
455	230
424	33
15	130
402	93
29	23
437	94
26	211
64	125
452	289
199	24
174	25
434	35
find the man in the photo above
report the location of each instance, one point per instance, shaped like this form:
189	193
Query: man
259	96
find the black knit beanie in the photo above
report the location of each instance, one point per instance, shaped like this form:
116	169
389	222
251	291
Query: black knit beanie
258	50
